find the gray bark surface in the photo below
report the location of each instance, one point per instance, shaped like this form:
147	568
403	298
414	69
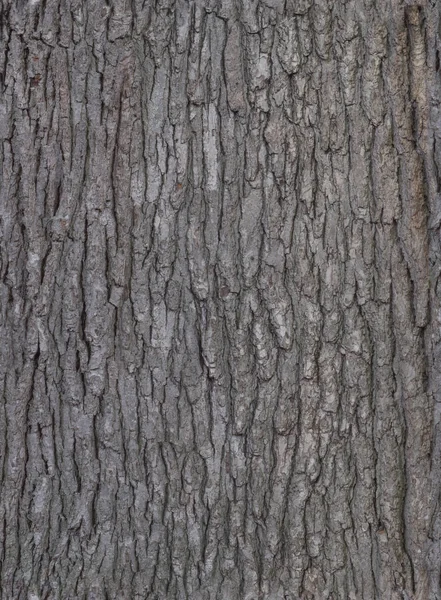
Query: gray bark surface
220	314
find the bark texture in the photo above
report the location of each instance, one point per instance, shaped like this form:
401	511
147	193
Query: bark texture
220	300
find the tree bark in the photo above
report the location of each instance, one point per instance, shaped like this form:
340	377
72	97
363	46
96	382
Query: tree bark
220	300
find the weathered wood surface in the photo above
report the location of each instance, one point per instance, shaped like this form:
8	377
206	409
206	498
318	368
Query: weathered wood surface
220	304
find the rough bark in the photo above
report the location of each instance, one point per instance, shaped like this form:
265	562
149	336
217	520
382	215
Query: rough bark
220	300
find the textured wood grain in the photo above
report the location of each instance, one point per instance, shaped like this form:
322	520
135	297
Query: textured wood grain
220	358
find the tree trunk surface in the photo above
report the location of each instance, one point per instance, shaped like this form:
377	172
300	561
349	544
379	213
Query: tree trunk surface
220	300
